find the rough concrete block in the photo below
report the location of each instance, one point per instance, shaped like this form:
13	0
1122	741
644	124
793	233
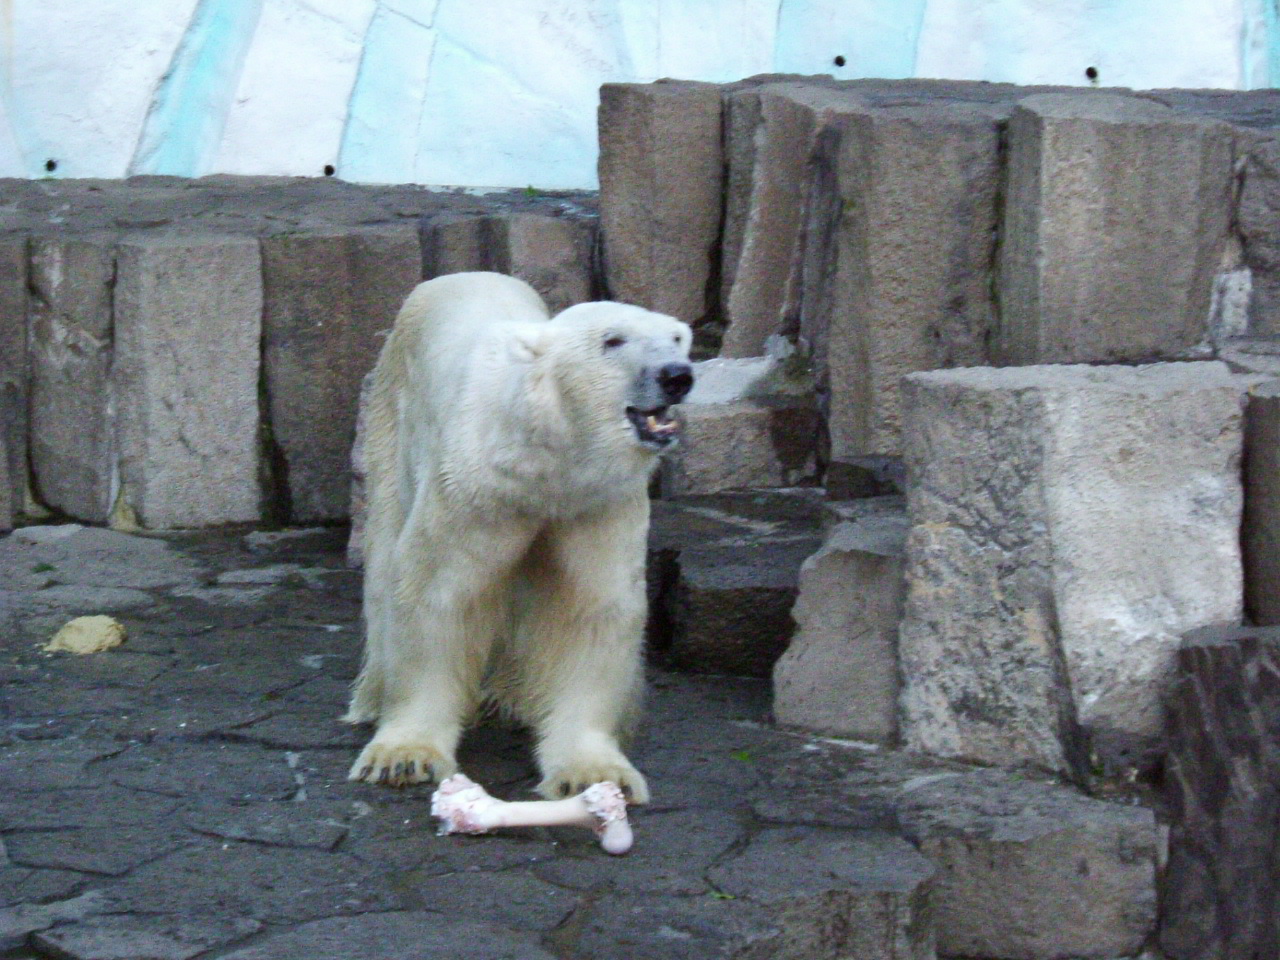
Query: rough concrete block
1115	220
188	326
661	179
1221	890
769	134
329	298
72	438
14	378
834	894
839	676
899	238
1069	523
1033	870
1260	535
747	443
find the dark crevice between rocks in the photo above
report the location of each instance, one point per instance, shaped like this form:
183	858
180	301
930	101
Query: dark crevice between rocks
708	329
273	465
991	334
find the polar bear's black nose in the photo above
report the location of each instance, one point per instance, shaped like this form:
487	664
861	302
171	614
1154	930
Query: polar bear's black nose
676	380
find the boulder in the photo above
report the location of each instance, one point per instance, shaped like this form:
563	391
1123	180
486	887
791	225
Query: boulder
1069	523
330	297
895	266
661	180
71	349
1033	870
1100	188
185	378
839	676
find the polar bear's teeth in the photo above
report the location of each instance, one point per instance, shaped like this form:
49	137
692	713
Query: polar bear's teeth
652	423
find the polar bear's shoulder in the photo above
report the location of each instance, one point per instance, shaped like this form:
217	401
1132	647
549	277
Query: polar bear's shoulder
471	300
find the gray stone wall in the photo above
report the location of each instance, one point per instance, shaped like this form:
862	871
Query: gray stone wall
180	353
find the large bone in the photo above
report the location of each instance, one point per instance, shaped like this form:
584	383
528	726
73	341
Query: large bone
464	806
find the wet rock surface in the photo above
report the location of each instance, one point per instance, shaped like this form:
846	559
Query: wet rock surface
185	794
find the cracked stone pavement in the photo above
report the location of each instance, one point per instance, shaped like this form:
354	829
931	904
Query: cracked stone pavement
184	795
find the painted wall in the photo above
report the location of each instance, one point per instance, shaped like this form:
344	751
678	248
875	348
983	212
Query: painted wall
503	92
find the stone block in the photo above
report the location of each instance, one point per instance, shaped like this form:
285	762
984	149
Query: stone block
188	328
329	298
71	348
834	894
453	243
1260	535
1032	870
1115	222
781	373
738	621
748	443
730	606
130	938
898	243
554	254
14	378
1221	889
769	134
661	180
1069	523
551	254
839	676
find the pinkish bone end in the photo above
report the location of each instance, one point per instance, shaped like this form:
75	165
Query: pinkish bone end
463	806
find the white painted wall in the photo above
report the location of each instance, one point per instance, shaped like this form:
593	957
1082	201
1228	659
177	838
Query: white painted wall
503	92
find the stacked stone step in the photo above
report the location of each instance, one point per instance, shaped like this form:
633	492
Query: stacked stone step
189	353
1065	524
896	226
890	227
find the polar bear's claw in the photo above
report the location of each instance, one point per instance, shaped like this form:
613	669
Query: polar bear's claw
401	764
573	778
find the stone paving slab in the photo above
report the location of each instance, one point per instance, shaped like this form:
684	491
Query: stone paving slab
185	795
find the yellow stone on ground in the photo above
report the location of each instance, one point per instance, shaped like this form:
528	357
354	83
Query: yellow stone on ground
88	635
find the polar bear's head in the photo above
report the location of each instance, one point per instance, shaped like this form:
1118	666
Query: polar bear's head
619	369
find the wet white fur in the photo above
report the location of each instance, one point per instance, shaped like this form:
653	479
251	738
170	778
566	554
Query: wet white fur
505	540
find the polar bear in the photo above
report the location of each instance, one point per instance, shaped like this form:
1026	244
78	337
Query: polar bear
509	457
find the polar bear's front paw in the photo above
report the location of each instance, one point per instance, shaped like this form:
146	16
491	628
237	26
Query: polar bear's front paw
579	773
399	764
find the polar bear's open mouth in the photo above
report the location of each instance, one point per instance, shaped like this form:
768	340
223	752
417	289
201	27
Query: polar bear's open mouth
654	428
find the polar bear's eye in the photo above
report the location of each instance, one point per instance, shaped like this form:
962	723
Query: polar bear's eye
613	342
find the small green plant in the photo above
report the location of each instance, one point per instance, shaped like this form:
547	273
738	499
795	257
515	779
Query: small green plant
721	895
531	192
743	755
43	568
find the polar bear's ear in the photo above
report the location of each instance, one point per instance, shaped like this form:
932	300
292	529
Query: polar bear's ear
529	344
